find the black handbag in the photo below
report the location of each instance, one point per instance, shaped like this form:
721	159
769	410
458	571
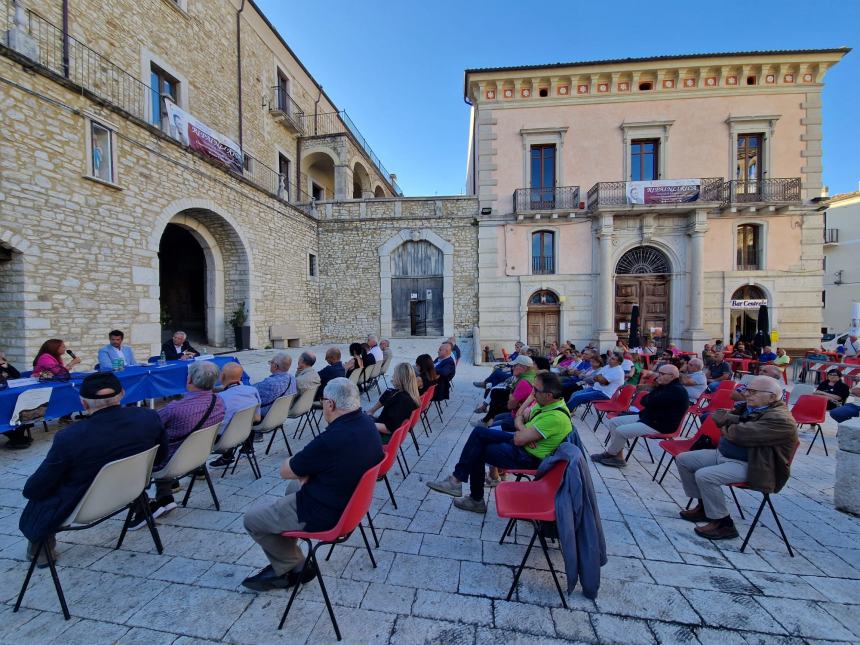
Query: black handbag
703	443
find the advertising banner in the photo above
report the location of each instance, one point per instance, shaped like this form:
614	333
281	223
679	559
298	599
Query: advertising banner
200	137
663	191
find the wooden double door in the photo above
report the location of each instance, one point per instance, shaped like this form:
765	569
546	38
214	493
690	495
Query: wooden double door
543	325
651	294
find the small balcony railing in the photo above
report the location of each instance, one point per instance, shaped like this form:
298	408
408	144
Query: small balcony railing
286	110
739	191
543	265
546	199
831	236
614	193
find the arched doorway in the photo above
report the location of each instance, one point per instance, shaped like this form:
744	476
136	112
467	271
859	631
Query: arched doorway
543	320
743	316
318	168
643	276
182	283
360	182
417	289
379	192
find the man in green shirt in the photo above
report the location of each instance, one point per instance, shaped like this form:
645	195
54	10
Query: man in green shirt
539	431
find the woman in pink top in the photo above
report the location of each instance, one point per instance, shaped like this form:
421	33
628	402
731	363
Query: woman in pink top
50	359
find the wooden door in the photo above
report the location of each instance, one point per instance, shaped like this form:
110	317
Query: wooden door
651	293
543	327
416	290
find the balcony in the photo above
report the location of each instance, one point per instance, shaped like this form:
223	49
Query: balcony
286	110
761	191
610	194
543	265
831	236
560	198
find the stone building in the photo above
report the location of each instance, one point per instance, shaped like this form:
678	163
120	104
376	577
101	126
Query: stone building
683	185
841	265
159	163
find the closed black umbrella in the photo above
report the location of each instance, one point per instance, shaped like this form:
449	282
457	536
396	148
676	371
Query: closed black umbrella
634	340
762	336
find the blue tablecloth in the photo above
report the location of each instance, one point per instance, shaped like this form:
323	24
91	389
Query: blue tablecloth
140	383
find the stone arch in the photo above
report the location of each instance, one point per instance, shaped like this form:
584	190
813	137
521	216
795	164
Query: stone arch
360	182
385	272
644	278
319	167
750	290
543	318
229	267
15	250
379	191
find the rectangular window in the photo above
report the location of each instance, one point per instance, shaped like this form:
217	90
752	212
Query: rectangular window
542	176
101	153
283	90
748	247
312	265
284	175
543	252
162	85
317	191
748	169
644	161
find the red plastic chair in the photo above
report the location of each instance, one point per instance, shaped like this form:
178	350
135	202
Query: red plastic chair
851	360
724	385
426	402
722	400
532	501
655	435
765	500
390	449
620	402
811	410
358	506
637	403
677	447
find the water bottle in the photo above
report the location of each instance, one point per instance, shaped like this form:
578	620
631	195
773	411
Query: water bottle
162	360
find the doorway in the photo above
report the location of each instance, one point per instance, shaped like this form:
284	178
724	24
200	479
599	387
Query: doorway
643	278
182	281
416	289
544	313
743	315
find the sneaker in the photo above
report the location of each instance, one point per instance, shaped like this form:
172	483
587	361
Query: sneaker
258	436
480	384
162	506
468	504
220	462
481	409
138	520
613	461
200	475
449	486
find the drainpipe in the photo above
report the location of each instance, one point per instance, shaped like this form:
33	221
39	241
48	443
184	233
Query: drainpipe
316	106
66	38
238	67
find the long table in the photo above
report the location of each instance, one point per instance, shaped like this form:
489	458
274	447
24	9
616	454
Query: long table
140	382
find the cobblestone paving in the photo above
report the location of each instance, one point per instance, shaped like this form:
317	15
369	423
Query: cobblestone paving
442	576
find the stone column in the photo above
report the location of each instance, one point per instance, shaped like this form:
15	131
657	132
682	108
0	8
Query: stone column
698	226
605	290
846	491
342	182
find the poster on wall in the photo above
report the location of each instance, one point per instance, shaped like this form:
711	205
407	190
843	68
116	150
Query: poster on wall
663	191
200	137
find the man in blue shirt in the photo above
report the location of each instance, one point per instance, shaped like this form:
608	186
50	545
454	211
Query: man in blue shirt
334	369
446	368
767	355
115	350
279	383
323	478
236	396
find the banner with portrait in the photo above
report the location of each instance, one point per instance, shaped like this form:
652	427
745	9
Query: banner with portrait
663	191
198	136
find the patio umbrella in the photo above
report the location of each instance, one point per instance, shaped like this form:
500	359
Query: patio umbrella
762	336
634	340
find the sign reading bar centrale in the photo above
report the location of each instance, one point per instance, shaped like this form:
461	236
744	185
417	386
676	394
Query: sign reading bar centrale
748	304
663	191
200	137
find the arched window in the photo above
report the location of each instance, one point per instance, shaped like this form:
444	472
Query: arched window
749	247
643	260
543	298
543	252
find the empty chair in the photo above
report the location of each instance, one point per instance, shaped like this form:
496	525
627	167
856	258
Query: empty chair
620	402
811	410
118	486
799	390
189	459
236	434
275	419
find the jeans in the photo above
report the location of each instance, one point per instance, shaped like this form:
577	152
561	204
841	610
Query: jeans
489	446
584	397
505	421
845	412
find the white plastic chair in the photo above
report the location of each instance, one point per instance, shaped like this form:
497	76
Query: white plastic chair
799	390
235	435
275	419
189	459
383	370
30	400
302	410
118	486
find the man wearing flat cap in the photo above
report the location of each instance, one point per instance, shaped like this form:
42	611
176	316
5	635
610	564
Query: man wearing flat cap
109	432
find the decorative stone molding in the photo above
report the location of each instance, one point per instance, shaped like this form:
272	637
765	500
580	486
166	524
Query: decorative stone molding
646	130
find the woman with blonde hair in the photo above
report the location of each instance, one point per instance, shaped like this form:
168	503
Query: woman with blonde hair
397	402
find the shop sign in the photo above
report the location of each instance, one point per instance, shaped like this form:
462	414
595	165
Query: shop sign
663	191
740	303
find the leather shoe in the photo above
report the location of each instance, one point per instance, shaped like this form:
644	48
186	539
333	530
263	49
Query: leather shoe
695	514
304	577
267	579
718	530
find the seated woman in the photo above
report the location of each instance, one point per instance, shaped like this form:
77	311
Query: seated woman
425	372
834	389
566	358
358	358
49	360
397	402
633	374
553	351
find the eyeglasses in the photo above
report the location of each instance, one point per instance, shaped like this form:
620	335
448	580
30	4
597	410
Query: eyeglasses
750	390
664	373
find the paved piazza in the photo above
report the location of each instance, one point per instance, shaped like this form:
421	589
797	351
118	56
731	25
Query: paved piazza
442	576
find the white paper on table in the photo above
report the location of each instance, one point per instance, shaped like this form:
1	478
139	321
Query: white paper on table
204	357
21	382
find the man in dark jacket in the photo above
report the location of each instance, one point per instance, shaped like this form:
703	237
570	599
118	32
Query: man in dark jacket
110	432
178	347
333	369
445	368
757	445
662	411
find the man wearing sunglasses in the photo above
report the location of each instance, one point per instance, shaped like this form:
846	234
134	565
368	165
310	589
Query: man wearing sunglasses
662	411
756	447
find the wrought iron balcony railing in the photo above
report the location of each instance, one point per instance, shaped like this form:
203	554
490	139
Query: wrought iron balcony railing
614	193
543	265
831	236
740	191
546	199
284	108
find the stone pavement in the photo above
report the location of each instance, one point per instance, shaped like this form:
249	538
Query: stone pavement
442	576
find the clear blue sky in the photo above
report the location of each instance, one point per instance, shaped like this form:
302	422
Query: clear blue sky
397	67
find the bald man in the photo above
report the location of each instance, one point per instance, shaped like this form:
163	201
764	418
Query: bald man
756	446
662	411
236	396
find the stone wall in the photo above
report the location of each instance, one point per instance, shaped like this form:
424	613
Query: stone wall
350	235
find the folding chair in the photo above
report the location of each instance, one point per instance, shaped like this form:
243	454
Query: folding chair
236	435
302	409
189	460
533	501
119	485
357	508
675	447
275	419
811	410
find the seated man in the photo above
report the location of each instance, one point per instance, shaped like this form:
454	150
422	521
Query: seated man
767	355
306	375
694	379
279	382
385	346
109	432
334	369
718	371
607	379
503	373
374	350
456	352
505	402
236	396
756	446
663	408
178	347
323	478
446	368
848	410
115	351
200	408
537	435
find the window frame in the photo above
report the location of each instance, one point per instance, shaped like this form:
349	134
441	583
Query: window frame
765	125
639	130
642	155
761	246
543	232
147	60
91	120
313	267
287	194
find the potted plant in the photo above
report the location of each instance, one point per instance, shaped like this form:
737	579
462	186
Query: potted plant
241	331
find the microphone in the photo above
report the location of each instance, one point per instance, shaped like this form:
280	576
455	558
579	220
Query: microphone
71	353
